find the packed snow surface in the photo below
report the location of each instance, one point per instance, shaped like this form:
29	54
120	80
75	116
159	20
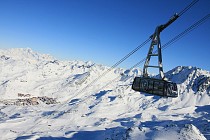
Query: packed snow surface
45	98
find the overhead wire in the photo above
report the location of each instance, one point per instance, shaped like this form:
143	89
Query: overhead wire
188	7
192	27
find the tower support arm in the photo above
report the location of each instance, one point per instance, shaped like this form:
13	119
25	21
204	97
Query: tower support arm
171	20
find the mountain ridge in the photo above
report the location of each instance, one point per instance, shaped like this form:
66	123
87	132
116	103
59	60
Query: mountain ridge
106	109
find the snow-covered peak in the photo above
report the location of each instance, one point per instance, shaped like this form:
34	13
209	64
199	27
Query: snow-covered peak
183	73
192	77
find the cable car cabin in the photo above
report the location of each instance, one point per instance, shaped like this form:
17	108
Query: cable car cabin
155	86
160	87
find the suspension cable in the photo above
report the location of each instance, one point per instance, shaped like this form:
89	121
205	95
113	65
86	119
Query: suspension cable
192	27
188	7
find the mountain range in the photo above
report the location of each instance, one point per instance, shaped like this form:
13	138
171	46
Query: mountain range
42	97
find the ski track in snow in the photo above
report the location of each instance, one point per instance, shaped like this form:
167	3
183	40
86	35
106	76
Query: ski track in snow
112	112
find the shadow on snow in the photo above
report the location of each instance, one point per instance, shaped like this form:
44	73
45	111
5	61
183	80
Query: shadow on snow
110	133
121	132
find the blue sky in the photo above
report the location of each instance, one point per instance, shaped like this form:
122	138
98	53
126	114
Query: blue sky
104	31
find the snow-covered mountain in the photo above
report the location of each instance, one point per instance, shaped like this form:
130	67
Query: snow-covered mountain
45	98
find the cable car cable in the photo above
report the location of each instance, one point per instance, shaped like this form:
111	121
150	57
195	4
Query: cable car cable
192	27
188	7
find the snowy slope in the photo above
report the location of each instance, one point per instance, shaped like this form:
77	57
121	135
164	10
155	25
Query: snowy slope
68	107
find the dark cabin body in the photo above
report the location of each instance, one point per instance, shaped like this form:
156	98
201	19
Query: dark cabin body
155	86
